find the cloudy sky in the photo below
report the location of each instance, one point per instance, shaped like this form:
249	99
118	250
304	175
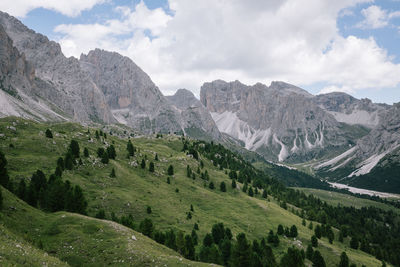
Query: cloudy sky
321	45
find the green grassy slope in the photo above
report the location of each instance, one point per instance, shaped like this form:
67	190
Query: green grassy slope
335	198
134	189
74	240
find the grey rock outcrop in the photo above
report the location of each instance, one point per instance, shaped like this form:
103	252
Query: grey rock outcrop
196	120
281	121
60	80
350	110
134	99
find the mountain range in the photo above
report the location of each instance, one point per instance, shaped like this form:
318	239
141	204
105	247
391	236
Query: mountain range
335	135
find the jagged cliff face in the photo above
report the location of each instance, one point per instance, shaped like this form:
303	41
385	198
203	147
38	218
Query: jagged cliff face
60	80
350	110
196	120
134	99
369	150
281	120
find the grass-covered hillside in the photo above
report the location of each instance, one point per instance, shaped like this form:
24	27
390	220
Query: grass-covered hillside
123	189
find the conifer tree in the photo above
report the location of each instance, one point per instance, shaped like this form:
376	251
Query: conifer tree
111	152
251	193
156	157
233	183
264	194
148	210
1	199
130	148
4	178
292	258
310	252
211	185
147	227
318	260
280	230
293	231
143	164
188	251
112	174
222	187
151	167
21	191
170	170
105	158
344	260
168	180
354	243
69	161
194	236
49	134
314	241
86	152
74	148
241	251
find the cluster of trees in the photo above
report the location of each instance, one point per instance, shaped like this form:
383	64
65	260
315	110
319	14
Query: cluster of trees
106	154
51	194
292	232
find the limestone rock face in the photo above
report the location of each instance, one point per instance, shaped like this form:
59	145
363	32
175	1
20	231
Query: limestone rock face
196	120
280	119
62	84
350	110
134	99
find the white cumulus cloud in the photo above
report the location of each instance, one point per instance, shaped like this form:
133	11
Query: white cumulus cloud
71	8
375	17
253	41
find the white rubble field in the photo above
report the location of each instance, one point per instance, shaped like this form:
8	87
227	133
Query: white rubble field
363	191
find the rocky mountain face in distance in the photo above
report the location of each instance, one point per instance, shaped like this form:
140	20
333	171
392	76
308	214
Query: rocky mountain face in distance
60	82
280	121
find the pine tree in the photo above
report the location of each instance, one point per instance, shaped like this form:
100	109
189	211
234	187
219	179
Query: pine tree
208	240
168	180
303	222
318	260
69	161
21	191
170	170
354	243
264	194
58	172
314	241
251	193
49	134
196	226
112	174
195	238
191	208
170	239
60	163
111	152
310	226
344	260
74	148
101	214
318	231
156	157
226	250
80	202
218	232
280	230
292	258
233	184
130	148
180	242
86	152
293	231
4	178
1	199
241	252
147	227
151	167
188	251
105	158
143	164
188	171
211	185
222	187
148	210
310	252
